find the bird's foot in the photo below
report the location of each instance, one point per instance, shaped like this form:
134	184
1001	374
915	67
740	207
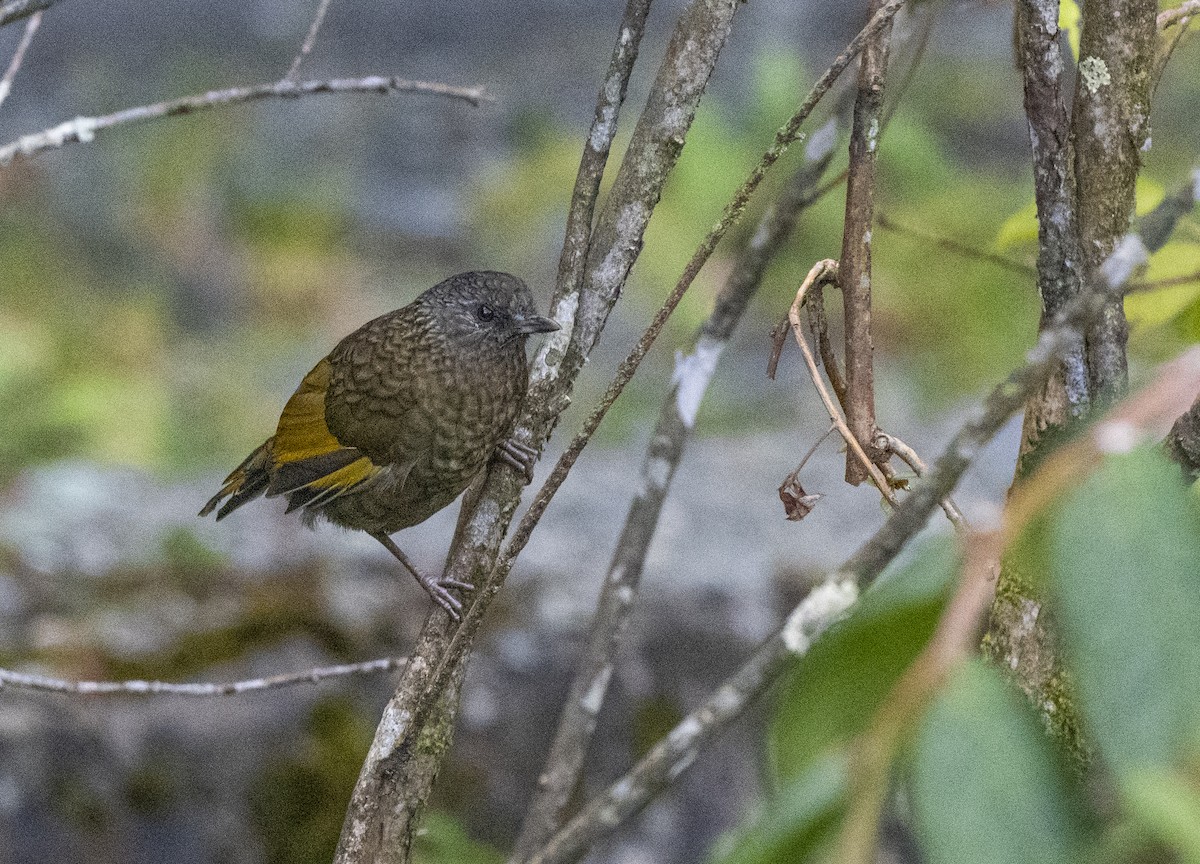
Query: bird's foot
520	456
439	590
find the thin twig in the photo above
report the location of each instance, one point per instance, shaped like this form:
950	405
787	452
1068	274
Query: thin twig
907	455
23	681
824	271
537	507
577	723
31	27
15	10
854	272
955	246
1167	282
818	323
309	40
84	129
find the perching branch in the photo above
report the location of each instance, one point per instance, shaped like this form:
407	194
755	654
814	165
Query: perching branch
577	723
84	129
23	681
854	265
14	65
378	818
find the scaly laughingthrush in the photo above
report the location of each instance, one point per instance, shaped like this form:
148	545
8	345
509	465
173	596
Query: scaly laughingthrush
402	415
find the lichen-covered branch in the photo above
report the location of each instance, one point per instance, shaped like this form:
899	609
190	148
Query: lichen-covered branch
693	371
84	129
1066	394
854	265
1111	126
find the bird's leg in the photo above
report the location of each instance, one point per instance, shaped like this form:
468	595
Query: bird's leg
437	588
520	456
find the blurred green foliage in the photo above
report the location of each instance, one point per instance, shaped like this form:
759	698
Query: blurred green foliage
982	780
163	320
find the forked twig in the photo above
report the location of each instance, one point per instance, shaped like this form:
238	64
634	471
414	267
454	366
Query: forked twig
825	271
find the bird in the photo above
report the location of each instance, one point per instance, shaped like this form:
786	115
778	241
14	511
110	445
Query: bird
395	422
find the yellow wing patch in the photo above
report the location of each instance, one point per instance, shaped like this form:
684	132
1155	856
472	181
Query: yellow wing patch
302	432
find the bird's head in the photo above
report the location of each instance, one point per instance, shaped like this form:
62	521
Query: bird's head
485	307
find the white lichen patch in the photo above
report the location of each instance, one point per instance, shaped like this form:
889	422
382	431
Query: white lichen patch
593	699
1118	267
1094	73
821	143
824	604
873	135
691	377
656	472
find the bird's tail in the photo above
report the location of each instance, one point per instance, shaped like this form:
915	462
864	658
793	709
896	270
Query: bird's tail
247	482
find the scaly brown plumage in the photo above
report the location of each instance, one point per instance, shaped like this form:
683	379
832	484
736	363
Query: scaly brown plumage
402	415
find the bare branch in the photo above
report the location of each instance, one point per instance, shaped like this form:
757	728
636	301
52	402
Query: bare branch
309	40
84	129
854	267
577	723
31	27
15	10
629	365
23	681
376	813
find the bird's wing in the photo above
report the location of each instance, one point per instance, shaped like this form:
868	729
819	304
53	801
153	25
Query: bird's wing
307	456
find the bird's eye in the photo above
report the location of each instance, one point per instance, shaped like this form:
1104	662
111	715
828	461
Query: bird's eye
486	313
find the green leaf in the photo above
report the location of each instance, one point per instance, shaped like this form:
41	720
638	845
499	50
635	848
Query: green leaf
1168	807
988	788
1126	561
797	822
835	689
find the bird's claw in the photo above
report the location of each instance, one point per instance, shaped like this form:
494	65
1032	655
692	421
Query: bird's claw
520	456
438	589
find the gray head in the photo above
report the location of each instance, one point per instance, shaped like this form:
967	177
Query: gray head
485	306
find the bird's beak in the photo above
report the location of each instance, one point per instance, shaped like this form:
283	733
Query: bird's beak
536	324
